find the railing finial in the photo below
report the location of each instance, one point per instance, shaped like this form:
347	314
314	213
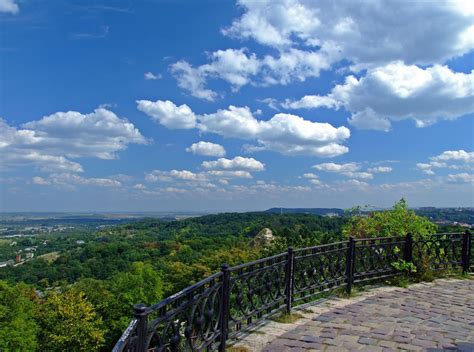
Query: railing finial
140	312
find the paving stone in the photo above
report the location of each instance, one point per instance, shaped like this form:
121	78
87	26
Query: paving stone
312	345
367	341
425	317
307	338
423	343
401	339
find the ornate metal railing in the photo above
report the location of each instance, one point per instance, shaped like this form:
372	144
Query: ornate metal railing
204	316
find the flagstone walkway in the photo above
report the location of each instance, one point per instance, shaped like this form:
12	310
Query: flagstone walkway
433	316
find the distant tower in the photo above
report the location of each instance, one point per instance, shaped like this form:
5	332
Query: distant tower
281	211
18	257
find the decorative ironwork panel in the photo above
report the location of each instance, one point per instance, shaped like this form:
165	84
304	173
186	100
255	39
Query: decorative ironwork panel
318	269
220	307
257	290
188	320
373	257
128	340
439	251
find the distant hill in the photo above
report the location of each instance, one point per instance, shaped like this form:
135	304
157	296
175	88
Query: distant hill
314	211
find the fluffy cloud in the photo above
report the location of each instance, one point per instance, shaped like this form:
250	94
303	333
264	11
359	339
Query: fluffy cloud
238	163
397	92
461	178
202	179
192	80
340	168
450	159
380	169
168	114
283	133
455	155
151	76
225	174
207	149
9	6
360	175
310	102
69	180
168	176
292	65
233	66
312	36
349	170
426	168
363	33
240	68
99	134
49	143
310	175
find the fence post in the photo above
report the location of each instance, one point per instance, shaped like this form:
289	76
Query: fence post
224	309
142	327
350	264
289	279
466	251
408	250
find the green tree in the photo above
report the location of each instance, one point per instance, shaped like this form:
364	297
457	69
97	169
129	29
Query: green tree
398	221
143	284
68	322
18	327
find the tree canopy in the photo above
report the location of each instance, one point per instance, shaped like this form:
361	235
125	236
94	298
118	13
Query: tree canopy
398	221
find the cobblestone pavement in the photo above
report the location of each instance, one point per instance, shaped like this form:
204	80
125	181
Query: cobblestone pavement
424	317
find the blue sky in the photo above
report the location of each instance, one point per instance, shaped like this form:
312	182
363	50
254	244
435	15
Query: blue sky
223	105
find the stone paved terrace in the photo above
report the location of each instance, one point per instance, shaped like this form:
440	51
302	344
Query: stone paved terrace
432	316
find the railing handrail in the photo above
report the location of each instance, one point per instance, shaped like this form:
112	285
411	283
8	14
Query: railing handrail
319	246
255	262
122	342
183	292
350	276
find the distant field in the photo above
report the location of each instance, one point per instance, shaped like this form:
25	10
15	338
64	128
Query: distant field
50	257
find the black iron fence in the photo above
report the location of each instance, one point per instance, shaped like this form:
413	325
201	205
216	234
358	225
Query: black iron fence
206	315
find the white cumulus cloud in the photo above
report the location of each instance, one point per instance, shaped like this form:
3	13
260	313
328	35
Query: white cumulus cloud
206	149
380	169
283	133
69	180
362	32
168	176
193	80
52	141
397	92
349	170
237	163
225	174
455	155
450	159
462	178
340	168
168	114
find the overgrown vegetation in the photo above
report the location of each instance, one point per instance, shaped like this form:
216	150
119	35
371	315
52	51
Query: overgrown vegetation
399	221
286	318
